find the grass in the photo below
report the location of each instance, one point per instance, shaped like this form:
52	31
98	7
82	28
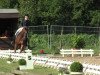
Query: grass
43	70
38	70
5	67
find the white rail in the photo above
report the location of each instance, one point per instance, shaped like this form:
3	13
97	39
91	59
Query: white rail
51	62
76	51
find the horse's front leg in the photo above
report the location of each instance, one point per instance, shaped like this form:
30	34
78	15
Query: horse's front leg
22	48
15	48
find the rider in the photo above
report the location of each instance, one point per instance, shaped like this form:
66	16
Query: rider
26	23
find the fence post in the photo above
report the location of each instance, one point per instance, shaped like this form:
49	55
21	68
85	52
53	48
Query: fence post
81	53
99	40
50	35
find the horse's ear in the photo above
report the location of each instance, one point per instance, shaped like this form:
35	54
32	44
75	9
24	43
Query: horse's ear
26	28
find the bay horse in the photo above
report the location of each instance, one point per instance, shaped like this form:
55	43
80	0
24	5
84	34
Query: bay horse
20	39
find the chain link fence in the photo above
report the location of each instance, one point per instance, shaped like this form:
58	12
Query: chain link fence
58	36
74	29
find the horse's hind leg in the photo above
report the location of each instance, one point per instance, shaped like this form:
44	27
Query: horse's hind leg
15	48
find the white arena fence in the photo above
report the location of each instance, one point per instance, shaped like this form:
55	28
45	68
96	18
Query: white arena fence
77	52
89	69
14	56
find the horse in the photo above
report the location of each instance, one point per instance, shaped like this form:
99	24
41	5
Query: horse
20	39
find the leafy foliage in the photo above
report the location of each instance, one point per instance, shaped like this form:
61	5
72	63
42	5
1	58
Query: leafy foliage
57	12
78	41
95	18
9	4
76	67
41	42
10	59
63	71
22	62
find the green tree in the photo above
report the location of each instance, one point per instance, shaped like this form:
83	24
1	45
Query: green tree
4	3
95	20
28	7
43	12
81	14
58	12
9	4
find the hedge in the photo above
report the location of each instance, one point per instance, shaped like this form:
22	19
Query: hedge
38	42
